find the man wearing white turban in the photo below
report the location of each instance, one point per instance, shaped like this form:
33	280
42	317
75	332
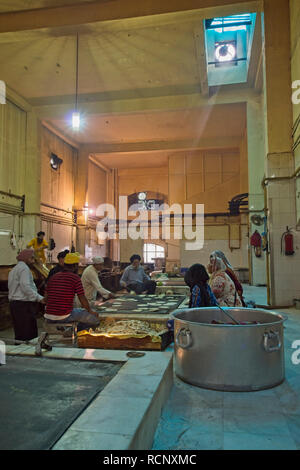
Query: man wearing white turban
91	283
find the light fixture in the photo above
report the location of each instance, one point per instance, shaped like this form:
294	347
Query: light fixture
76	121
225	52
76	114
55	161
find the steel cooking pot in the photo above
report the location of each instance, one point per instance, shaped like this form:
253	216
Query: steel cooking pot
227	356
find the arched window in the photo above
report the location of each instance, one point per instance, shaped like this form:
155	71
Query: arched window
153	251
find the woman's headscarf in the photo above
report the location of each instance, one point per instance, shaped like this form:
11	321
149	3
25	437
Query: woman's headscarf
197	276
220	254
217	264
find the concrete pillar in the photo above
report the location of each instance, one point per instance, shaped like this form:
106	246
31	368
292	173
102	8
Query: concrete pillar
81	186
284	270
32	221
256	171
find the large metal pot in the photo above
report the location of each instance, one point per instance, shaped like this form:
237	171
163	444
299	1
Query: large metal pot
229	357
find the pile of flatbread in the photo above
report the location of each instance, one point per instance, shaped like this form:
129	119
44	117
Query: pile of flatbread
126	327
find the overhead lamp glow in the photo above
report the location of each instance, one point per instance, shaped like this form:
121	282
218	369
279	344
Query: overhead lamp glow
225	52
76	121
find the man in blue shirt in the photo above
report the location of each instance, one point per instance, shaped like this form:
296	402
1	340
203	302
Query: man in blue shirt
134	278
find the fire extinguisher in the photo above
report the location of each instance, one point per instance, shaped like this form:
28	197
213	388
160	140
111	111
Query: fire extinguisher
288	239
256	241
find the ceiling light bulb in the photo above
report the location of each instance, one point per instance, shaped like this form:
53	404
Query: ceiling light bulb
76	121
225	52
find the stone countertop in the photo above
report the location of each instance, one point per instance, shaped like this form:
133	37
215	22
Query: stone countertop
125	414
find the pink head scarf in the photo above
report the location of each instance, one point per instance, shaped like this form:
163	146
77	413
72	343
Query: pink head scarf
25	255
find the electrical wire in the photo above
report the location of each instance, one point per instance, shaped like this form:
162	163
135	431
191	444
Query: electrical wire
297	143
296	125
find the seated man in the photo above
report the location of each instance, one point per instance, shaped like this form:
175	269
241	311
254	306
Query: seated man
134	278
60	292
91	283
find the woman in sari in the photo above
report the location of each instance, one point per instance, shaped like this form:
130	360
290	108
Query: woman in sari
222	285
229	271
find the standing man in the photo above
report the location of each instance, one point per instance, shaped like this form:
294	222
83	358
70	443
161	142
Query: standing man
60	266
91	283
39	245
134	278
60	292
23	297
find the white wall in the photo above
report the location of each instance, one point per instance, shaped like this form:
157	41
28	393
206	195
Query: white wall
238	258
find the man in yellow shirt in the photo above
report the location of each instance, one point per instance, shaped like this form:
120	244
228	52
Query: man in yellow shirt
39	245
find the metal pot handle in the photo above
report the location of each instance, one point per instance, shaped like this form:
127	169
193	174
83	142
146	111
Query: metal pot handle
270	335
189	339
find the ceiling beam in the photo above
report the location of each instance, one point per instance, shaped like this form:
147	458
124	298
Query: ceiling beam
159	146
255	52
199	36
259	80
235	94
99	164
60	134
91	12
15	98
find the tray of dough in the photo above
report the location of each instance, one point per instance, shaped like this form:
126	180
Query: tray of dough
142	304
127	334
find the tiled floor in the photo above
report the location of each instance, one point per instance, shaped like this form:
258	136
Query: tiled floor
199	419
257	294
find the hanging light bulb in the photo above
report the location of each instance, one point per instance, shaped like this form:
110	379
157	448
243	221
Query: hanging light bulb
76	121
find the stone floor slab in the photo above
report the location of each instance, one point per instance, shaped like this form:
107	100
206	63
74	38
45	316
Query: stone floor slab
245	441
241	420
113	415
142	386
87	440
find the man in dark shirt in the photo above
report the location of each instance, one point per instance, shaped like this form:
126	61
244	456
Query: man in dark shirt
60	266
135	279
60	292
